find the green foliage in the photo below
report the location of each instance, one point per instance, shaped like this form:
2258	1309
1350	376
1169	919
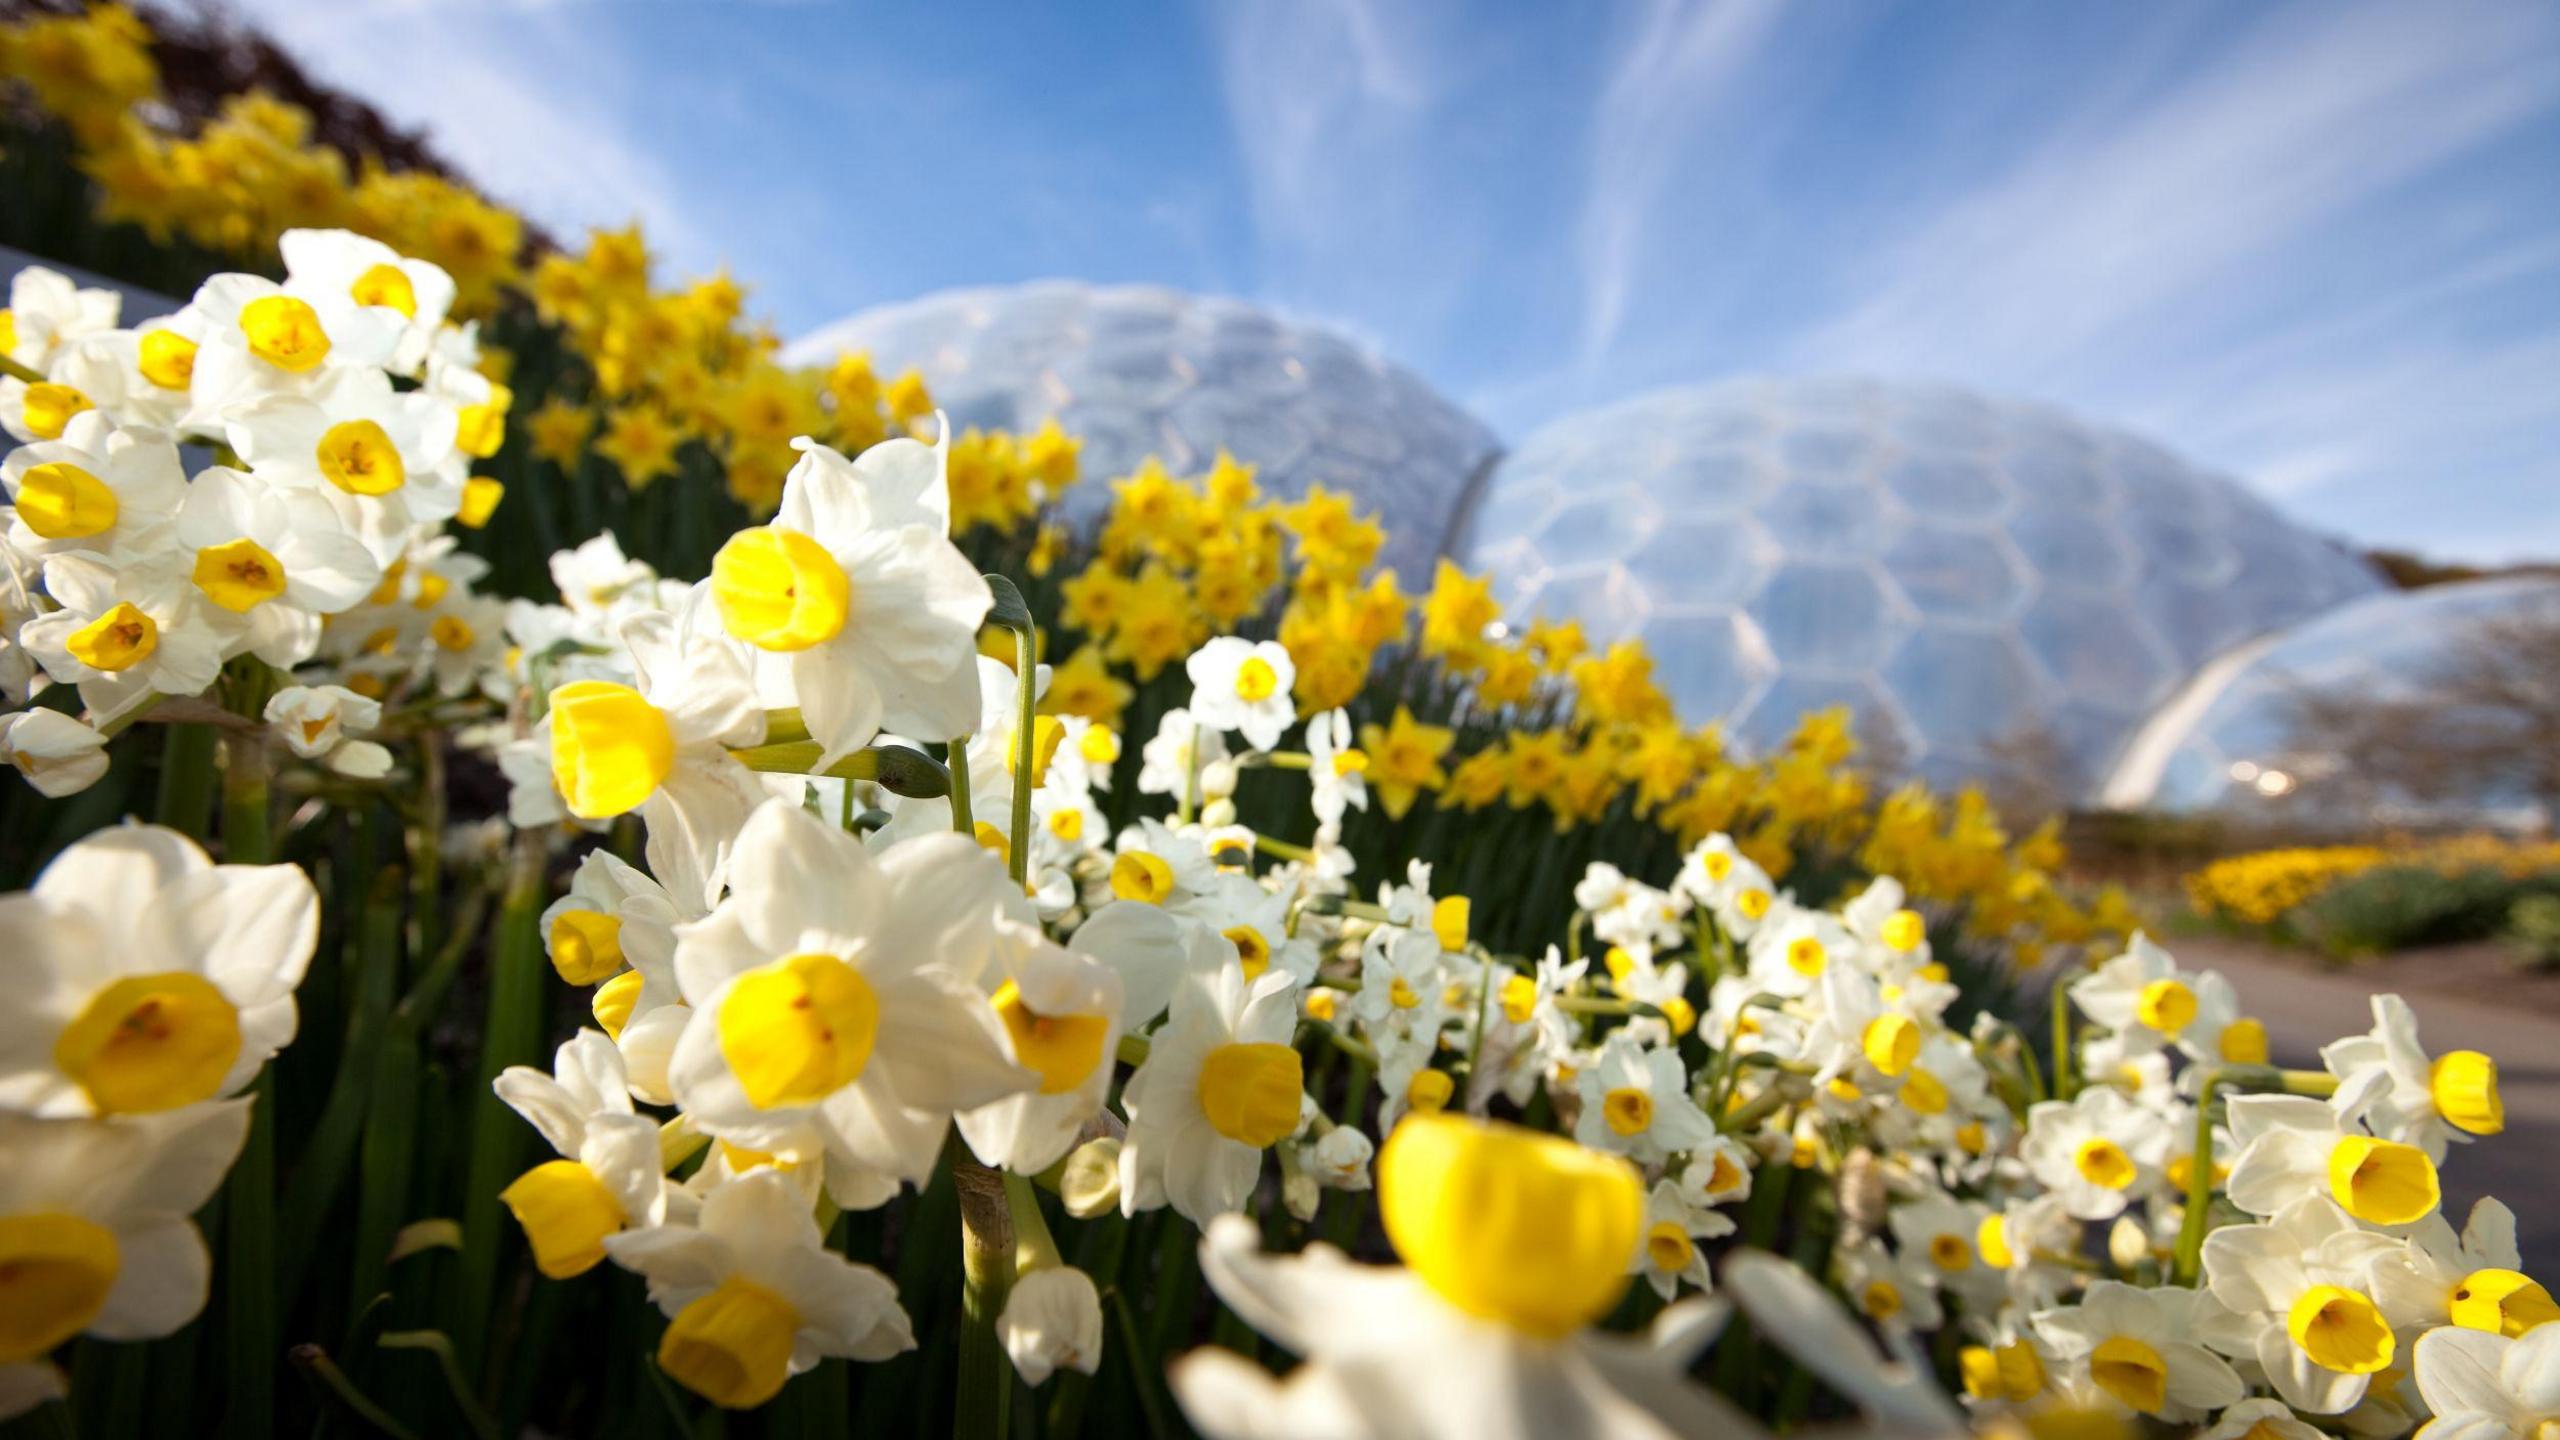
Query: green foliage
2534	923
2400	907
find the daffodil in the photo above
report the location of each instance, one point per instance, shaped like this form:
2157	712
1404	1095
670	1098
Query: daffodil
2474	1279
1669	1255
856	591
661	746
2387	1081
315	722
96	1229
55	753
262	341
609	1176
270	563
2490	1387
2290	1145
48	310
100	490
1636	1102
2139	1348
2096	1151
1244	686
384	459
754	1296
153	979
1220	1085
1337	770
2305	1282
822	995
1060	1012
328	264
1495	1298
125	634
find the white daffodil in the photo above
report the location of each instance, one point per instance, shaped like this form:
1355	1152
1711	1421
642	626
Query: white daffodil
661	746
1790	952
1243	686
1947	1232
1635	1101
2474	1279
1716	873
609	1176
823	996
1170	763
2140	1348
123	635
149	977
1857	1034
1061	1014
1896	936
261	342
1495	1302
1803	1319
1052	1321
2386	1081
334	263
106	491
96	1234
2141	995
467	645
1672	1229
2093	1150
1718	1173
386	460
1087	751
1256	920
856	592
48	309
599	584
1340	1158
2290	1145
314	722
2305	1280
1898	1293
55	752
1220	1085
2489	1387
270	563
615	930
755	1296
1337	770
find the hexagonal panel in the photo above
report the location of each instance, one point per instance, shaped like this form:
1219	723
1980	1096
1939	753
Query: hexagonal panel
1956	574
1827	617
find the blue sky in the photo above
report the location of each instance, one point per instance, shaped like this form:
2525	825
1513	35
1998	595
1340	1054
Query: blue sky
2315	244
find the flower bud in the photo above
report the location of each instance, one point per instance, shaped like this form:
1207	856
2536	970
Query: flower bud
1090	1185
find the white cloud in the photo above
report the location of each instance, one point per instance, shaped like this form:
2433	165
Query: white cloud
523	99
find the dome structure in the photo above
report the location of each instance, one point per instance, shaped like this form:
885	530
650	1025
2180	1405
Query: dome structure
1987	583
1135	371
2230	739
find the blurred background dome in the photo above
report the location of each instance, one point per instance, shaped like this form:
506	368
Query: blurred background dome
2246	736
1136	371
1992	586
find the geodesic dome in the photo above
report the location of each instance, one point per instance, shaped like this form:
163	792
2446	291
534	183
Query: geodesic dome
1979	579
1136	371
2227	741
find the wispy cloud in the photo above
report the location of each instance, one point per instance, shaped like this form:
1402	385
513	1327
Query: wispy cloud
2124	215
1670	73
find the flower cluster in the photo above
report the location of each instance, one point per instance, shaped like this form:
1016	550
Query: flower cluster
152	987
2263	887
306	576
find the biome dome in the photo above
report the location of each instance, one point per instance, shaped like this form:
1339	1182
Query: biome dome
2229	740
1135	371
1970	574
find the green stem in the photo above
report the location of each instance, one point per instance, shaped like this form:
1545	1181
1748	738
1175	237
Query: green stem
2191	1226
961	818
1025	681
983	1404
16	371
1190	799
1033	1246
186	779
1149	1401
2065	1082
